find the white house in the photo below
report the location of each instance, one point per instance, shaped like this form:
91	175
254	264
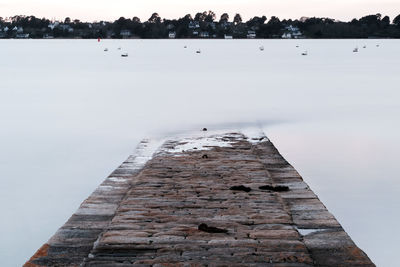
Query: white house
172	35
194	25
22	35
204	35
292	32
47	36
53	25
125	33
226	24
228	36
297	35
251	34
66	27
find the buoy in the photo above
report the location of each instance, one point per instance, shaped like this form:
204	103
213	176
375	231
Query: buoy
98	39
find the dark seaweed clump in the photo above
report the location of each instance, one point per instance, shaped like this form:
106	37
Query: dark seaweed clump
240	188
278	188
210	229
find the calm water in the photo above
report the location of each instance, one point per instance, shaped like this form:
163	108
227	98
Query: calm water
70	113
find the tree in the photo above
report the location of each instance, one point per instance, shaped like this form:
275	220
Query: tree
257	21
273	27
354	21
155	18
188	17
210	17
385	22
237	19
371	20
121	22
396	20
200	16
224	18
374	25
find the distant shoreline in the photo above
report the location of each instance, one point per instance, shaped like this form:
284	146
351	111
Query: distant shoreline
202	26
197	39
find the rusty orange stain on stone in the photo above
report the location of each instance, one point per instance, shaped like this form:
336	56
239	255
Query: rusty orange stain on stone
42	252
356	252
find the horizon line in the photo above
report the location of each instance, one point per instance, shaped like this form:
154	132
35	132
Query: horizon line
165	18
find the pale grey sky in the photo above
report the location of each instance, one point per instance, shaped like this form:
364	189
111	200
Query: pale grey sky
111	10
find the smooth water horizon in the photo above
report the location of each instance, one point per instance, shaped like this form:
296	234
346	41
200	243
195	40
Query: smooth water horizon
70	113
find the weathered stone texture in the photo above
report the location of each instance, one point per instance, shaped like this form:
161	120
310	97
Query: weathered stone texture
151	216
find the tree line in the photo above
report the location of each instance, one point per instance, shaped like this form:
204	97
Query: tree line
202	25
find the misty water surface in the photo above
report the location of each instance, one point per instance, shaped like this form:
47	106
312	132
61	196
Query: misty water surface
70	113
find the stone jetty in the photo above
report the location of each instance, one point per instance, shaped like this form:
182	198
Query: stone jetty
214	199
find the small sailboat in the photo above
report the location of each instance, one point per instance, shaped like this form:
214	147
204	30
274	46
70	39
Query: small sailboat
305	53
355	50
364	46
124	55
119	48
297	46
377	45
105	49
198	51
261	48
185	46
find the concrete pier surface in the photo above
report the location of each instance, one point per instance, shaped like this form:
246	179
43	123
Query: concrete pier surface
212	199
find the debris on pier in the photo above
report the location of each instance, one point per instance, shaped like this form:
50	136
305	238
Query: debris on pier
166	206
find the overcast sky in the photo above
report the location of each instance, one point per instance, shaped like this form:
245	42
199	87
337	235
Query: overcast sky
110	10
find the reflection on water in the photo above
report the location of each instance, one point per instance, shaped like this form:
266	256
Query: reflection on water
70	113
